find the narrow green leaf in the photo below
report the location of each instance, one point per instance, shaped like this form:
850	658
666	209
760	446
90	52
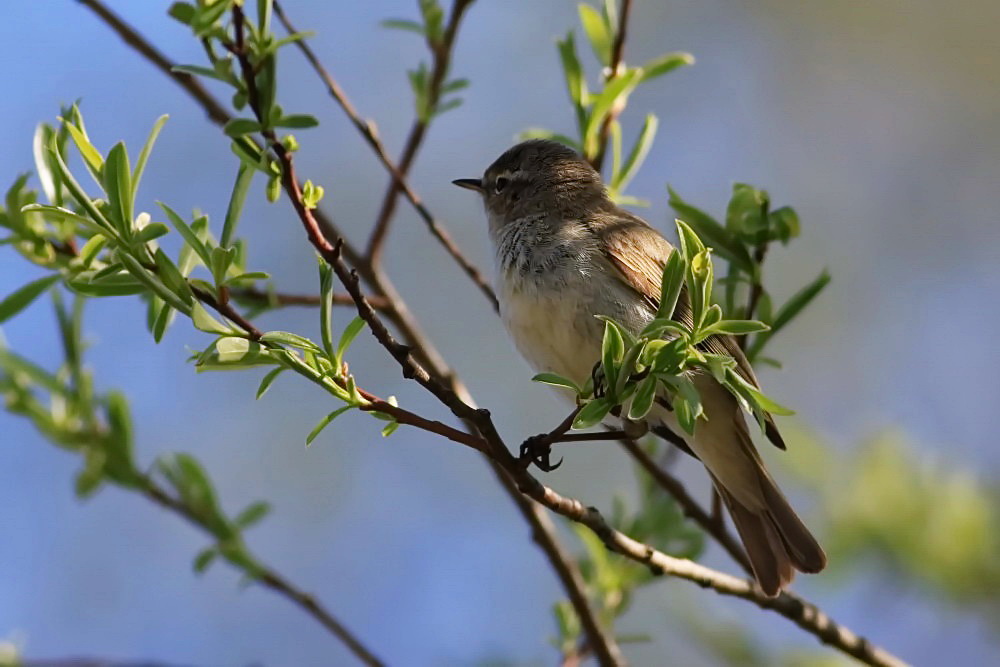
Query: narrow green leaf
171	276
78	192
236	200
288	338
351	332
668	62
799	301
205	557
323	423
92	248
389	429
190	237
118	185
734	328
642	402
164	318
252	514
724	243
91	156
576	84
613	94
403	24
612	349
21	298
237	127
151	231
671	284
297	121
592	413
204	321
43	167
754	396
556	381
639	151
597	33
140	165
268	380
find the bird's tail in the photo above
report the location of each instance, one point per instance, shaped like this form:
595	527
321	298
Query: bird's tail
776	541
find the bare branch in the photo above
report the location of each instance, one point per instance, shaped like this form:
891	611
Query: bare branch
439	70
369	131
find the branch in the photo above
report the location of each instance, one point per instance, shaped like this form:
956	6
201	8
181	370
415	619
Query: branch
215	110
268	577
259	297
369	131
617	61
439	70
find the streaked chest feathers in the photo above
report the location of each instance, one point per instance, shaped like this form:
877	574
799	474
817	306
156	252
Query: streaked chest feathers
551	283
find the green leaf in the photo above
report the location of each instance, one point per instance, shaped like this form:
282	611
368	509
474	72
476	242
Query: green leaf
43	165
754	396
164	318
389	429
639	151
237	127
734	328
21	298
151	231
171	276
153	282
597	32
403	24
190	237
297	121
231	349
182	11
118	185
91	156
612	349
671	284
556	381
140	165
724	243
236	200
661	65
204	321
691	245
592	413
795	305
576	84
252	514
204	557
613	94
323	423
784	223
642	402
92	248
350	333
746	214
288	338
265	383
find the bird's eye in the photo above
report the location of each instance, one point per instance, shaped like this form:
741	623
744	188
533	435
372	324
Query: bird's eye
500	184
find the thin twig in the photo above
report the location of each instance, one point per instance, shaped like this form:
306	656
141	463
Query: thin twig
268	577
617	61
369	131
259	297
216	111
441	51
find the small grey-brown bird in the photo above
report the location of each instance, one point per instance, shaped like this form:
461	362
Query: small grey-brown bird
564	253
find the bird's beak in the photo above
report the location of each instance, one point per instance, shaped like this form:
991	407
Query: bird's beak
470	184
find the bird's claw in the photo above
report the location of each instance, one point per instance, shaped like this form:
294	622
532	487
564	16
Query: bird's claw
538	450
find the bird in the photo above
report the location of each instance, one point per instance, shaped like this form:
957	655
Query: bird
566	253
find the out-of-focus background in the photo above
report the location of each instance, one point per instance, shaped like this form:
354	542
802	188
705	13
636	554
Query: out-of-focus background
879	122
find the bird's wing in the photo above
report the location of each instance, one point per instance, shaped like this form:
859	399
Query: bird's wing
638	254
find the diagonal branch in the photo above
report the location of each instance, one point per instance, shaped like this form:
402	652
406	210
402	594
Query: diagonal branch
441	51
369	131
